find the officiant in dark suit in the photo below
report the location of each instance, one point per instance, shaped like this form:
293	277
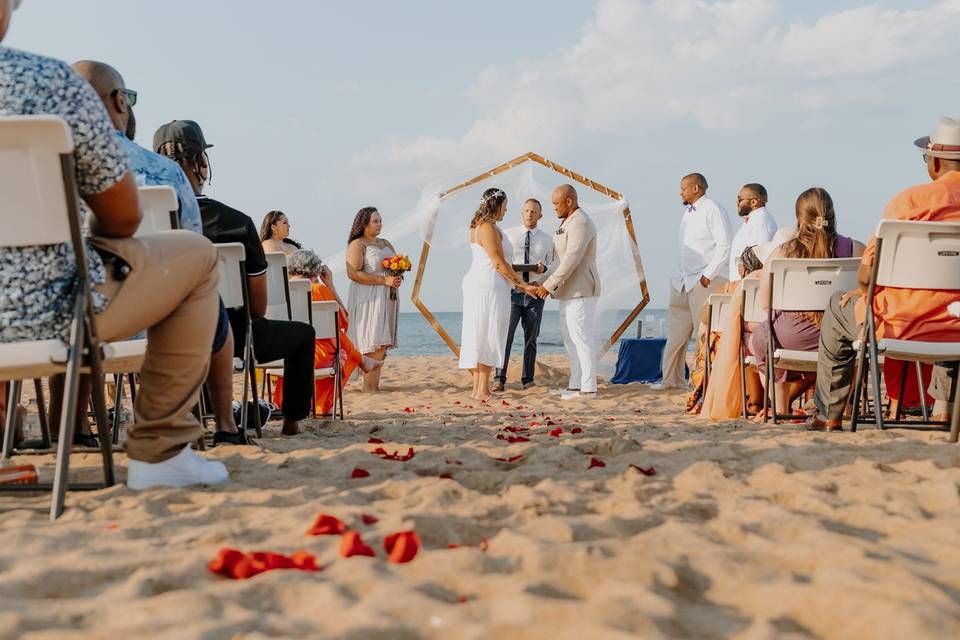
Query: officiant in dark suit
531	246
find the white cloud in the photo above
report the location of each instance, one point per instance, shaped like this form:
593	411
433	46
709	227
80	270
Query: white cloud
729	65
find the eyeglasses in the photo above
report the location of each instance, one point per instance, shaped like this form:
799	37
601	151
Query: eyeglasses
129	94
926	159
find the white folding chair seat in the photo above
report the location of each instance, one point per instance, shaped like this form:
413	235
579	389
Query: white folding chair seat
795	360
125	356
909	255
34	359
278	298
159	205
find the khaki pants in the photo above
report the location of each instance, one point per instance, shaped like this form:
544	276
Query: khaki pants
171	292
682	316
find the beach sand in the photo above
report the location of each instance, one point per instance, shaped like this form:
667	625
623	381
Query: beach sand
744	531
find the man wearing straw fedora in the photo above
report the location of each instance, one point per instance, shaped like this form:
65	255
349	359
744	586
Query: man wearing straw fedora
916	314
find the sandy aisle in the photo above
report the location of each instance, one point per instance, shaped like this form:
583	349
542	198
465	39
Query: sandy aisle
744	531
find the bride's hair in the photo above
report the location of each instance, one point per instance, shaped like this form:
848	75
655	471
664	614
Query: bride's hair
489	208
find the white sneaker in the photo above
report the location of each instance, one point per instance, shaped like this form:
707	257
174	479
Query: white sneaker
578	395
561	392
184	469
659	386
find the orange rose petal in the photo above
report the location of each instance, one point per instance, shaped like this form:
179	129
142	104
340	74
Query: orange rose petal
402	546
408	409
351	544
240	566
327	526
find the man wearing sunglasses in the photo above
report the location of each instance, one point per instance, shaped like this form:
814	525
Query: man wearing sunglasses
150	169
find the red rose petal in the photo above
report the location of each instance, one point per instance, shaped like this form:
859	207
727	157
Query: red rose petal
576	430
327	526
463	599
240	566
359	473
380	451
556	432
649	471
456	402
401	546
610	419
520	407
457	462
516	458
513	439
445	476
596	462
551	423
374	441
368	519
535	424
351	544
505	403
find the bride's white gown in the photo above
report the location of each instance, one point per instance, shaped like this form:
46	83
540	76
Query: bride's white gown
486	310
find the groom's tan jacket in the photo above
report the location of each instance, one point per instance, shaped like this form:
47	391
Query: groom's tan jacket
575	274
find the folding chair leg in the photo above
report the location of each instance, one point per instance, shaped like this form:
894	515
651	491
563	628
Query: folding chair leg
117	402
131	379
955	416
743	383
921	391
256	404
859	381
771	389
875	380
13	400
103	425
68	413
42	412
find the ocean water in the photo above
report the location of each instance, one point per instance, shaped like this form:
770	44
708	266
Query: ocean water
417	336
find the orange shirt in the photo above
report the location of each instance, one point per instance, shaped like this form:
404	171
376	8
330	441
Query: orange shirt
917	314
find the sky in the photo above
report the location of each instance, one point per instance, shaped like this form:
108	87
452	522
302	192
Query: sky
321	108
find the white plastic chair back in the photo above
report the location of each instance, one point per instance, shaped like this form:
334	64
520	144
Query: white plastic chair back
808	284
919	255
325	318
159	205
229	257
276	286
719	304
33	205
300	291
752	304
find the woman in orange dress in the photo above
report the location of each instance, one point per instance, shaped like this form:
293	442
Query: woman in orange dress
306	265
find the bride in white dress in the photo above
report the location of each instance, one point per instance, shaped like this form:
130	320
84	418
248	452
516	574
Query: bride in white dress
486	294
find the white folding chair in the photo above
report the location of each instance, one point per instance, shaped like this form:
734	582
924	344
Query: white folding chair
38	183
909	255
278	308
325	318
751	309
798	284
717	305
160	210
300	294
231	264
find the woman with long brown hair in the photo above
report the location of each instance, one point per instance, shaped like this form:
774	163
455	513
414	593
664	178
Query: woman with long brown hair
373	315
275	234
816	238
486	294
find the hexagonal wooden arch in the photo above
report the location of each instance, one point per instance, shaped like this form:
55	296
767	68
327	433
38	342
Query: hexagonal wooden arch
596	186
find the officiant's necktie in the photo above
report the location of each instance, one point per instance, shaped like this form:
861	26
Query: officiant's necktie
526	256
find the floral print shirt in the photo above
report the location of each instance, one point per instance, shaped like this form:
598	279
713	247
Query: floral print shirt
153	170
39	284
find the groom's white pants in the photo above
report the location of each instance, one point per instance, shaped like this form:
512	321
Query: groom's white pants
576	325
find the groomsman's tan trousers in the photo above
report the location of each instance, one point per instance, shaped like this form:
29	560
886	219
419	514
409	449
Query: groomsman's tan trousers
682	316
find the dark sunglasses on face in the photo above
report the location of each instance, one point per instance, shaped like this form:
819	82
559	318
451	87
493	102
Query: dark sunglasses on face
129	94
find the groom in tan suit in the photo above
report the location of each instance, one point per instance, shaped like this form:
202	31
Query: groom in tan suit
575	282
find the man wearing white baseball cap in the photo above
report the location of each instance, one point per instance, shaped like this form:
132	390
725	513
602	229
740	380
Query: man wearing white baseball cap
916	314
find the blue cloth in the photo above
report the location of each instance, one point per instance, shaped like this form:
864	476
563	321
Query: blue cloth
154	170
639	360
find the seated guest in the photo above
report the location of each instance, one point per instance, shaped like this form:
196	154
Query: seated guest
275	234
183	141
306	265
177	271
908	314
152	169
758	225
816	238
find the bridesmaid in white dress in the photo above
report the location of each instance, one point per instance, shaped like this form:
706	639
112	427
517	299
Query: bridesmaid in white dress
486	294
373	315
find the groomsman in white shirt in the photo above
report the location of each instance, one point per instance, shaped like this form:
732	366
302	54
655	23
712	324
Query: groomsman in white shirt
705	235
531	246
758	225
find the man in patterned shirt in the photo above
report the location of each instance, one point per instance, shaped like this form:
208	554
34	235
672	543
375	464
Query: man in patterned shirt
176	272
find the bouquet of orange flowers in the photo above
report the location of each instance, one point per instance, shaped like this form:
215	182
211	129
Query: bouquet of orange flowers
396	266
